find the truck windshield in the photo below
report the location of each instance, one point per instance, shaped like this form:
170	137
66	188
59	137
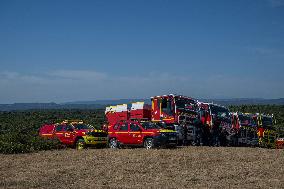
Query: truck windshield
220	111
246	120
184	103
82	126
149	125
267	121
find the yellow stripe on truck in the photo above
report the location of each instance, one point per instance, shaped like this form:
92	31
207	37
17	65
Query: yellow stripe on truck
166	131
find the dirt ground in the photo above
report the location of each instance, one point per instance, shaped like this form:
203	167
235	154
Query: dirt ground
188	167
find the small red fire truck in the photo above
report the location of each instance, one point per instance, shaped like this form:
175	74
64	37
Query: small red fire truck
74	133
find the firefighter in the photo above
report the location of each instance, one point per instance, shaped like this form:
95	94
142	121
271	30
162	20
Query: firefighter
223	137
206	134
215	133
185	131
198	127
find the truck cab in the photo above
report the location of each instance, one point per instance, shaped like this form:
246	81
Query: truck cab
178	112
173	108
134	133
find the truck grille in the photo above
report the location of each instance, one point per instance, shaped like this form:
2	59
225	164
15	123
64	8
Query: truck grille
99	134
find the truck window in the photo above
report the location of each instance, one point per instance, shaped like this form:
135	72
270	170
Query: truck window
167	106
134	127
69	128
115	127
60	128
123	127
164	103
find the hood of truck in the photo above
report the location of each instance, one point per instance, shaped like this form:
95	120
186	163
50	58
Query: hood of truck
166	131
83	131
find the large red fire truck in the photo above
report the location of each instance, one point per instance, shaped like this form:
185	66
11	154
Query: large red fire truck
217	121
246	127
176	112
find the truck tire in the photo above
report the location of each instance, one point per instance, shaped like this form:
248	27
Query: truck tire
113	143
80	144
148	143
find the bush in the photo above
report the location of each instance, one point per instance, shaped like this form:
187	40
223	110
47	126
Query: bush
13	143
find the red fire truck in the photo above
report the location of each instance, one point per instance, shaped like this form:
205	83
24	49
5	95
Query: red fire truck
176	112
74	133
134	133
246	128
217	121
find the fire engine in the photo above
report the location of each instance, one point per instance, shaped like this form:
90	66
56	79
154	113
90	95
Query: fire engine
246	126
217	123
74	133
176	112
266	132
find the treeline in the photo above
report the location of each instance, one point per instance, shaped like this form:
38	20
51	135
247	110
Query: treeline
19	129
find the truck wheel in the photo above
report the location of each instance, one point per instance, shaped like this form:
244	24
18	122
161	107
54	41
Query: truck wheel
113	143
80	144
148	143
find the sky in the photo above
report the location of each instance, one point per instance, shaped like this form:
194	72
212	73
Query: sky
65	50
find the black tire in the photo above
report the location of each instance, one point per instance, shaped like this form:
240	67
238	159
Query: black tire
80	144
148	143
113	143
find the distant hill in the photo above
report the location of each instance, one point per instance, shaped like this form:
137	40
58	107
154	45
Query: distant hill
225	102
101	104
246	101
46	106
111	102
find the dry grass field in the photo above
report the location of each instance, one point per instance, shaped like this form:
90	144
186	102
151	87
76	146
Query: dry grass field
189	167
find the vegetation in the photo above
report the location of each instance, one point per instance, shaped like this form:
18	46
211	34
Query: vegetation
19	129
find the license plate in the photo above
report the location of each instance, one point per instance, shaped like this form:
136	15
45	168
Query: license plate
100	138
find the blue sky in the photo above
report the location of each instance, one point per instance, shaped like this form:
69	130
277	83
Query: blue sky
86	50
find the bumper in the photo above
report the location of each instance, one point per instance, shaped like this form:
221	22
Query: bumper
165	141
95	140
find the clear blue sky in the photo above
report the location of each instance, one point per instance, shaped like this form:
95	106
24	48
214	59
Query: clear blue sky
86	50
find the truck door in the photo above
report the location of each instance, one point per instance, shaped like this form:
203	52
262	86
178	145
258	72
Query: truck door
123	134
59	132
135	134
69	134
156	111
